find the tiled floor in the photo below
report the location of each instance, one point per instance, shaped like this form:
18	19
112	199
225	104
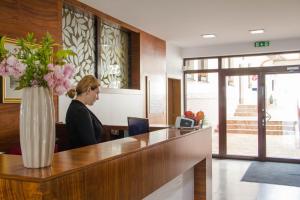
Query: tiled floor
227	185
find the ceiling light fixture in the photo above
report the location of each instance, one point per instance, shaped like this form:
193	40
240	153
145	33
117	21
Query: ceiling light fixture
208	36
257	31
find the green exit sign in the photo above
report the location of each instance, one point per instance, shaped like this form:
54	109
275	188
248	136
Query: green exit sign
262	44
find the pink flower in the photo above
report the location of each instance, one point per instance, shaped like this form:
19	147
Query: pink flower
51	67
12	67
50	79
58	73
12	61
68	70
58	78
67	84
34	83
18	70
59	90
4	71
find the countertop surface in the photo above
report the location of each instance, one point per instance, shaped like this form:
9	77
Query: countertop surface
11	166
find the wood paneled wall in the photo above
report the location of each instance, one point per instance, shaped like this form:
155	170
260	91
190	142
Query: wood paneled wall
153	62
17	18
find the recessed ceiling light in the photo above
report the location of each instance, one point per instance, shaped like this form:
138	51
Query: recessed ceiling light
257	31
208	36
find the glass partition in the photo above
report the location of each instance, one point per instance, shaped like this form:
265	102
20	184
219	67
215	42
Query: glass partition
282	116
271	60
241	115
203	96
197	64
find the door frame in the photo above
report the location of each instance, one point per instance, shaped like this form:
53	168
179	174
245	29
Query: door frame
173	102
261	72
223	113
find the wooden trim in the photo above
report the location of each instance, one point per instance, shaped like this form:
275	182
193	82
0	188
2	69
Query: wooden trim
199	180
235	157
147	96
251	158
285	160
200	71
248	71
184	93
135	59
261	114
222	115
173	99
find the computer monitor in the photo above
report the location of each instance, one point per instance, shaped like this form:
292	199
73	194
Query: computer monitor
137	125
184	122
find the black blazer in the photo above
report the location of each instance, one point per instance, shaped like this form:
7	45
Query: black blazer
83	126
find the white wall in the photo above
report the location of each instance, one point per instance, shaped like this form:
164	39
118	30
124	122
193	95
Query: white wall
174	61
174	66
241	48
111	109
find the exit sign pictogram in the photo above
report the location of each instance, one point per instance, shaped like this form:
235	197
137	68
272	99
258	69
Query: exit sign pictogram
262	44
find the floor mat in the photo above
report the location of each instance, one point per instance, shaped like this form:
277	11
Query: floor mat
273	173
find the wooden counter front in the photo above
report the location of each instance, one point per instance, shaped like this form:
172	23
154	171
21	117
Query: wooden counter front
129	168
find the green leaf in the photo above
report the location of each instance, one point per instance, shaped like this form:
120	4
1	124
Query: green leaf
62	55
3	51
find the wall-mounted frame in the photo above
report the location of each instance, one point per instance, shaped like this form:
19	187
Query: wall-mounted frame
8	84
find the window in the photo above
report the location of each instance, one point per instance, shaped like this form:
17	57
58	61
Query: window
271	60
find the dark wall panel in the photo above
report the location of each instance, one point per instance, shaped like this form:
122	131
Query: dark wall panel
153	62
18	17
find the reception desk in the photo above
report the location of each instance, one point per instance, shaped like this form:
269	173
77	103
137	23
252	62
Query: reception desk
126	169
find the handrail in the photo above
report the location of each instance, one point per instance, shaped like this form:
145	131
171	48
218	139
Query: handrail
268	116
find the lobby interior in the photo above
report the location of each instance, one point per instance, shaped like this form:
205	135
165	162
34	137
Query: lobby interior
237	61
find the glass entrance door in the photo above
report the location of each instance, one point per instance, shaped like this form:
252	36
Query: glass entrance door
242	115
282	101
202	95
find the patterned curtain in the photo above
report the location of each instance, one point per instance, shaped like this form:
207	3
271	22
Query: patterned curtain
79	36
113	62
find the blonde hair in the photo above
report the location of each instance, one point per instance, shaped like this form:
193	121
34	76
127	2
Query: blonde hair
88	81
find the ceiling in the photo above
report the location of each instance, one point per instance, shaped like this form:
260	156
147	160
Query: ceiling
182	22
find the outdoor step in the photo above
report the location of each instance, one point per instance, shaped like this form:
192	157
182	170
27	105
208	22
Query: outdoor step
247	131
286	123
254	127
243	114
241	126
241	121
283	132
246	106
246	110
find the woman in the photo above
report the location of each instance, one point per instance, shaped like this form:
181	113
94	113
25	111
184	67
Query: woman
83	126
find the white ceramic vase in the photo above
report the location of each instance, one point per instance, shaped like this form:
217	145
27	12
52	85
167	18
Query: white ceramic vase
37	127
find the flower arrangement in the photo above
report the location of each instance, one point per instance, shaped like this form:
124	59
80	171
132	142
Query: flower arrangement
31	64
198	117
